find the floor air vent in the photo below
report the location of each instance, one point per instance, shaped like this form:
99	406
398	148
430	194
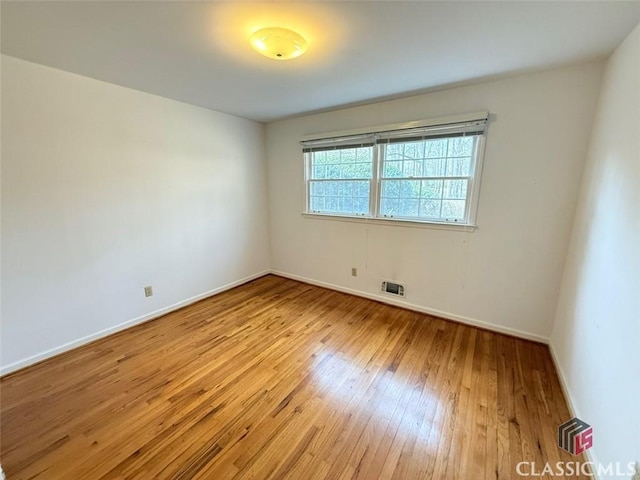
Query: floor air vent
392	288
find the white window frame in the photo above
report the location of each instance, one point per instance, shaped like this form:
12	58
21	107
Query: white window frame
473	192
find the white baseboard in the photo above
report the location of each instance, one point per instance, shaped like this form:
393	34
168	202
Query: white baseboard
563	382
573	409
12	367
419	308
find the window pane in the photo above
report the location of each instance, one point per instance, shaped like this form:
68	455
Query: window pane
344	163
400	188
458	167
320	158
389	207
364	154
455	189
339	182
390	189
394	151
400	197
317	189
416	178
414	150
434	167
333	171
392	169
431	189
348	197
436	148
319	171
348	155
453	209
333	156
409	188
408	207
460	147
363	170
430	208
428	158
412	168
361	205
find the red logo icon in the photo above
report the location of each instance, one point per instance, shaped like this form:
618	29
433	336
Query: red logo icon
575	436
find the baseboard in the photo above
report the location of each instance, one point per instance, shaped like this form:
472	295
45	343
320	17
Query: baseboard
573	409
29	361
419	308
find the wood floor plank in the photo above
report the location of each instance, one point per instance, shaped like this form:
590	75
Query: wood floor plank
278	379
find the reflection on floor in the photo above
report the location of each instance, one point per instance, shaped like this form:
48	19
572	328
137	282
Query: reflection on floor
279	379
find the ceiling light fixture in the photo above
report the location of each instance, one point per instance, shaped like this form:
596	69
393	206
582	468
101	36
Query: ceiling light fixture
278	43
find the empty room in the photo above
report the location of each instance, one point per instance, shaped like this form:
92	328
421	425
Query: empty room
320	240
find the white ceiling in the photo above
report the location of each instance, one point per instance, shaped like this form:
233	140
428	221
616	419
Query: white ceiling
199	53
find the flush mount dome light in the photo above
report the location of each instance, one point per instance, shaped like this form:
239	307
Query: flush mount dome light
278	43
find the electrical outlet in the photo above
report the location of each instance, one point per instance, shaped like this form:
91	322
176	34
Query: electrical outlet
148	291
354	272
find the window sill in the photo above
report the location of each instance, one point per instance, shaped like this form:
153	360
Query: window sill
397	222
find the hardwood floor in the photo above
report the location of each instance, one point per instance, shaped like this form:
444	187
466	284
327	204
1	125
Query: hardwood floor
279	379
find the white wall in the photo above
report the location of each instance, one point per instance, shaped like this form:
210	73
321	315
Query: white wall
596	334
106	190
507	273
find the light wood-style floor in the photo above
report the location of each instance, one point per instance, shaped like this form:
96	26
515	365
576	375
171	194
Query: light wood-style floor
279	379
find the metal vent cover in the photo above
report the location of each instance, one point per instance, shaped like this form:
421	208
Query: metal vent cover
392	288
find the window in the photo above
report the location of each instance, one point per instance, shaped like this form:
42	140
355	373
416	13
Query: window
340	176
421	172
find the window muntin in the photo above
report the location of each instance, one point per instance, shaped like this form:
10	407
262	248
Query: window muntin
423	174
427	179
340	180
